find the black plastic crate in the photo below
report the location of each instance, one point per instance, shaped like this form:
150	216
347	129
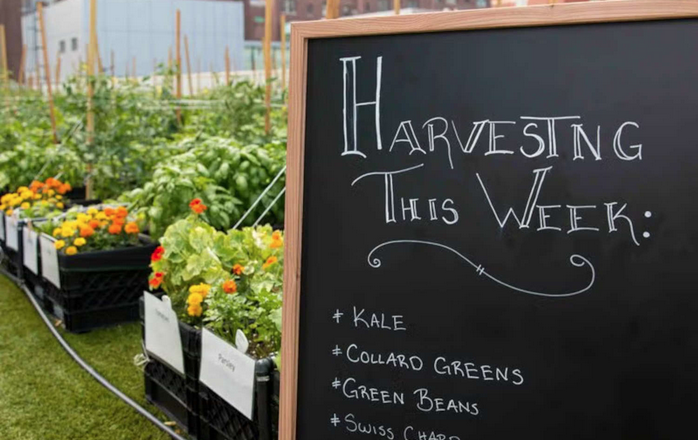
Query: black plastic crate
171	394
220	421
191	346
100	289
191	342
87	320
14	259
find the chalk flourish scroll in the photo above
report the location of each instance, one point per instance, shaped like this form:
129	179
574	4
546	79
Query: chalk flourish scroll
575	259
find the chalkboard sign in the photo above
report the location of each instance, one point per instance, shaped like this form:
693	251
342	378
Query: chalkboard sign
499	227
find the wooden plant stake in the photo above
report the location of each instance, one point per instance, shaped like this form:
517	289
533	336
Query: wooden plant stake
186	55
47	67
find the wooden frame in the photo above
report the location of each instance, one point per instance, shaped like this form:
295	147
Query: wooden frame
301	33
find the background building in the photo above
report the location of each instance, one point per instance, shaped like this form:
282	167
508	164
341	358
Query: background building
140	30
10	16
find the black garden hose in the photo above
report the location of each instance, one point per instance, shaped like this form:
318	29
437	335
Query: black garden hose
87	367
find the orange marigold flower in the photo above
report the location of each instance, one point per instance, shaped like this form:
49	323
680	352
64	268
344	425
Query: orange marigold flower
121	212
36	185
238	269
132	228
115	229
119	221
64	188
109	211
270	261
276	235
230	287
157	254
94	223
86	231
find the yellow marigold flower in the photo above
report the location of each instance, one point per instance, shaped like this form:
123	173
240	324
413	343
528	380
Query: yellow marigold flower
9	212
16	201
79	242
59	205
84	218
67	232
101	216
202	289
59	244
59	197
25	205
51	193
270	261
57	232
27	195
195	310
71	250
92	211
195	299
43	203
22	189
3	207
37	196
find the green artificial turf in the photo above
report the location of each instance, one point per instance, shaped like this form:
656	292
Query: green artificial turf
45	395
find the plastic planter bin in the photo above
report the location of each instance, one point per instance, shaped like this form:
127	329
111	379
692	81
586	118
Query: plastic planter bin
171	394
97	289
174	395
31	260
12	246
220	421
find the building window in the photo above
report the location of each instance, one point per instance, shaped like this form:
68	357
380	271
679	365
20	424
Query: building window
74	44
61	46
290	6
346	10
367	7
412	4
324	8
382	5
309	8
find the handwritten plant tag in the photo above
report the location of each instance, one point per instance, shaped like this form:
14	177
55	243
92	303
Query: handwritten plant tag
228	372
49	260
30	240
162	338
12	240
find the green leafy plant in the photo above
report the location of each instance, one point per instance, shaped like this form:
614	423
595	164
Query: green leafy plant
226	281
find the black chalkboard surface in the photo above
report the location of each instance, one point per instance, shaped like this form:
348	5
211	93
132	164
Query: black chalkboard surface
500	235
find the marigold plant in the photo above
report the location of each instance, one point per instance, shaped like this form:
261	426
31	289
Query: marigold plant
38	200
93	230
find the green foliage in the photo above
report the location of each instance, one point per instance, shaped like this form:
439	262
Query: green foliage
227	176
29	161
252	258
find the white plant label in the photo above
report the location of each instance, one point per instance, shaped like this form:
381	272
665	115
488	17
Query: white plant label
241	341
30	248
49	260
162	338
11	228
228	372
